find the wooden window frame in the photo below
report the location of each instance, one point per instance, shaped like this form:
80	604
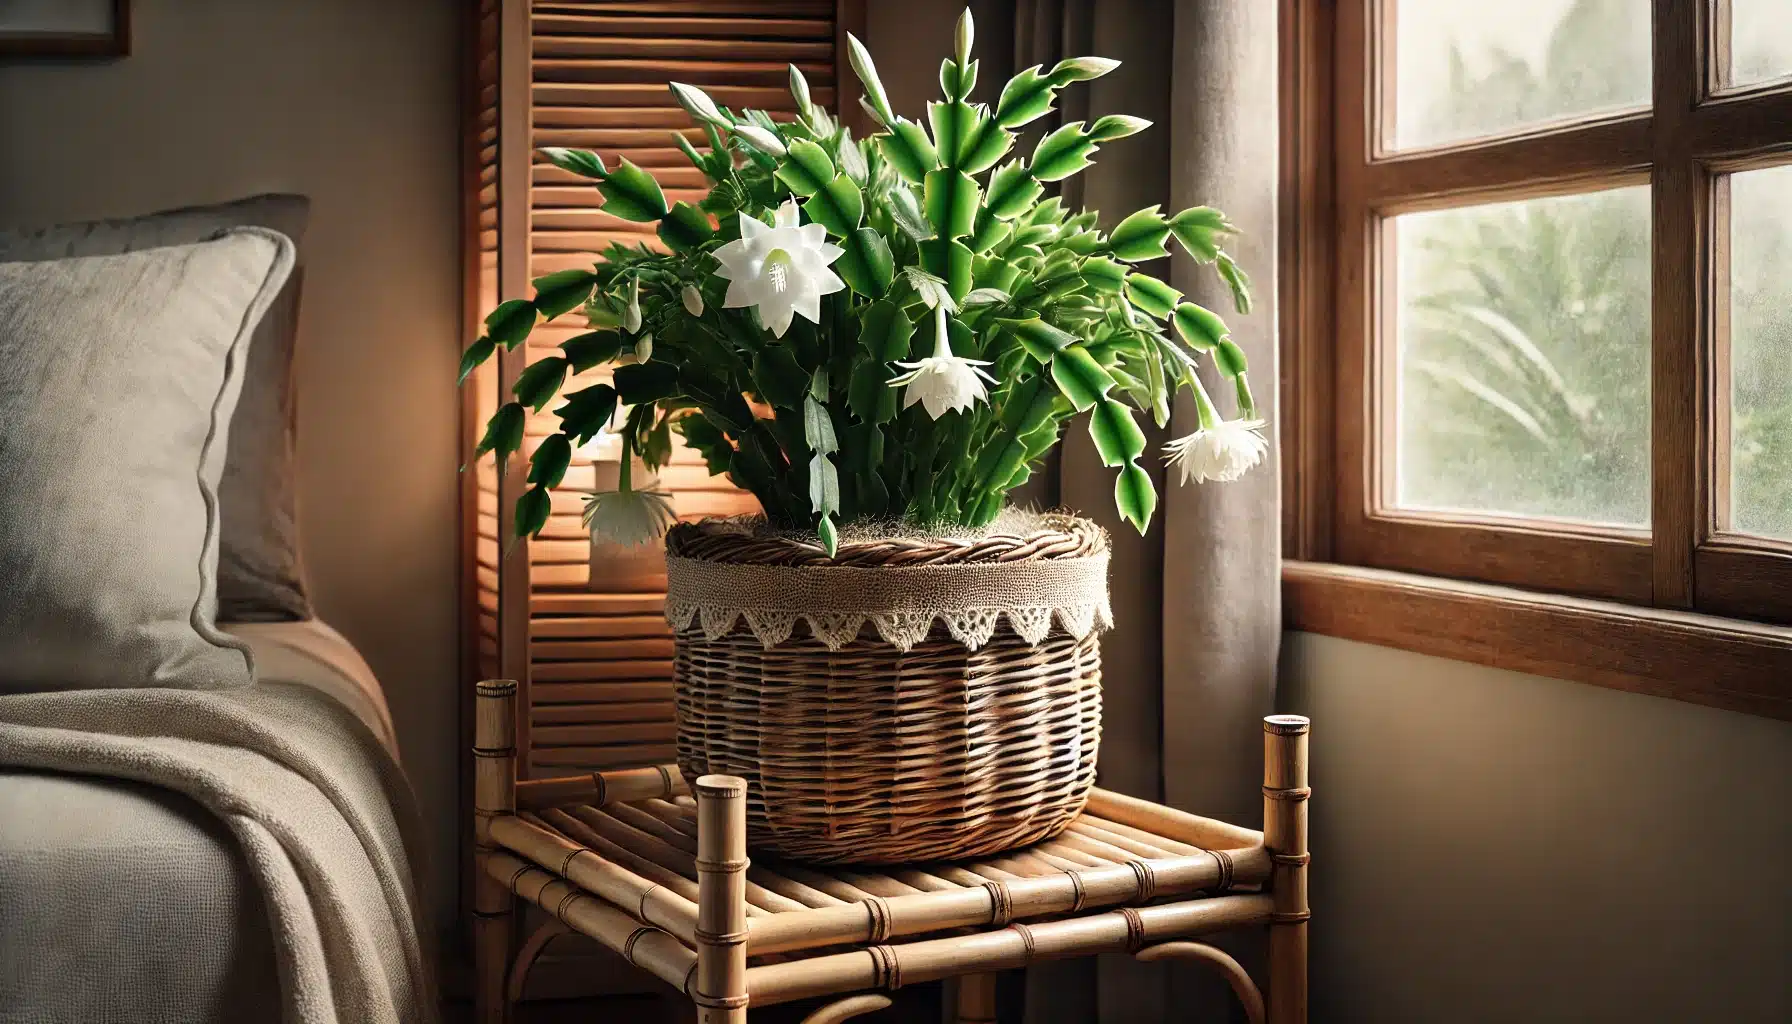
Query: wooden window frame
1361	567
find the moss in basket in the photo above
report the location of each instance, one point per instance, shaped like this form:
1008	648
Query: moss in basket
899	326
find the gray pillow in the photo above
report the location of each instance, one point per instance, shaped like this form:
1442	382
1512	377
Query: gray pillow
118	376
260	575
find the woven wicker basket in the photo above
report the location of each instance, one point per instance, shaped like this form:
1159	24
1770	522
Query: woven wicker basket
857	751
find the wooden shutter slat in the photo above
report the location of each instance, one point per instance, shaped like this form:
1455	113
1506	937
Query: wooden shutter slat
599	626
631	649
585	196
662	115
605	692
548	263
650	157
617	711
691	27
586	242
671	170
643	671
687	8
817	53
581	218
632	94
658	72
605	140
603	735
559	761
598	604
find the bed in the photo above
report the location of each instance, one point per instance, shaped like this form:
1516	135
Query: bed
202	812
201	945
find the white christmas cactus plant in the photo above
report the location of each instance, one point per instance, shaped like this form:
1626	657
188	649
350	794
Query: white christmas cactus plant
898	326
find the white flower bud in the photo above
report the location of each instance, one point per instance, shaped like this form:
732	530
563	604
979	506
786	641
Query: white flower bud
962	39
799	90
631	316
763	140
1116	126
1082	69
697	103
693	300
876	101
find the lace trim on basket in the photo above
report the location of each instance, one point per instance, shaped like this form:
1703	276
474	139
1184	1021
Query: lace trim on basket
971	627
901	603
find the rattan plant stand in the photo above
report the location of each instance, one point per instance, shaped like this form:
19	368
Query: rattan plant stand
660	874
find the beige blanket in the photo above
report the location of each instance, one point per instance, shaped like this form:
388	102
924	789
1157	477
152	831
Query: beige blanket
321	811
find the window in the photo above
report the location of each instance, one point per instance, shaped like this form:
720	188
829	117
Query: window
1539	319
1522	357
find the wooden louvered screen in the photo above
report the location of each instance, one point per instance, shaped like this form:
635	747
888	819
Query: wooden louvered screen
479	397
597	679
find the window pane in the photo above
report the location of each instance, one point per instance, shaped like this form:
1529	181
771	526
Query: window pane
1493	66
1524	358
1760	41
1761	352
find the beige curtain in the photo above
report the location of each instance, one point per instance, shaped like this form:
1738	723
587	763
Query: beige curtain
1191	666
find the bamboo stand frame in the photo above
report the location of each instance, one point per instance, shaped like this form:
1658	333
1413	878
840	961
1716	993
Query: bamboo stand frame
494	797
661	876
1285	794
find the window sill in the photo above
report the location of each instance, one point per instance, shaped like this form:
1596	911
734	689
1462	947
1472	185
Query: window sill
1724	663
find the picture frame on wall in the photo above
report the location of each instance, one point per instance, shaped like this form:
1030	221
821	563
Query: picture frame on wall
65	28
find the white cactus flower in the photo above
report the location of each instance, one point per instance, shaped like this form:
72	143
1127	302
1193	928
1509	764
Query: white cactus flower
628	517
1223	452
782	269
943	382
693	300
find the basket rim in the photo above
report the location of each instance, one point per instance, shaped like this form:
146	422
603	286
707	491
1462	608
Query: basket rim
749	540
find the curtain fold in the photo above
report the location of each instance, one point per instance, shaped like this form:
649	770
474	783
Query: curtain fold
1191	665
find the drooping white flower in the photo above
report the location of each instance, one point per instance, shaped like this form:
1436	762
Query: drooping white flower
782	269
693	300
943	382
628	517
1223	452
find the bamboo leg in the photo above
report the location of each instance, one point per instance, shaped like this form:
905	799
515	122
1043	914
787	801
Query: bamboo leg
494	794
1285	795
977	999
720	986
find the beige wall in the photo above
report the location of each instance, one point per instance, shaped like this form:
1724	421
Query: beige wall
356	104
1490	846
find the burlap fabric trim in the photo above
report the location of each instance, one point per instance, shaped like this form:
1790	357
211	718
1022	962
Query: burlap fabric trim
901	602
